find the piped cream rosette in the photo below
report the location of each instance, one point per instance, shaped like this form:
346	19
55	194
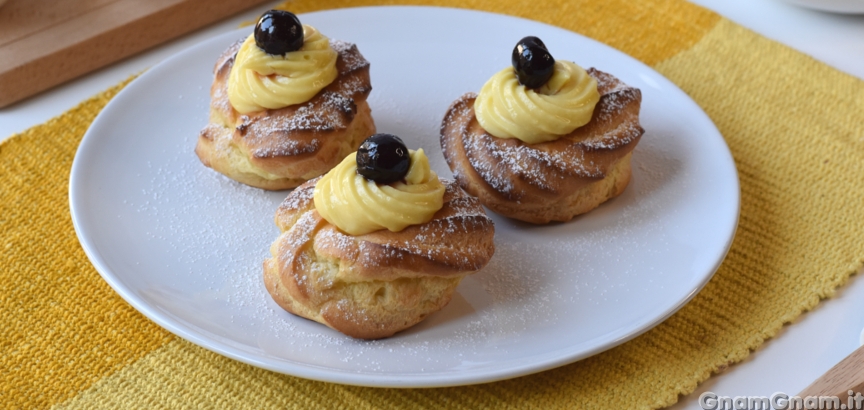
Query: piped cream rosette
262	81
358	206
507	109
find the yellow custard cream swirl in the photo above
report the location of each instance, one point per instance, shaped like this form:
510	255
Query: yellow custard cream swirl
260	81
359	206
507	109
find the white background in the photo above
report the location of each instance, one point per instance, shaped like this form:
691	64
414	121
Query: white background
788	363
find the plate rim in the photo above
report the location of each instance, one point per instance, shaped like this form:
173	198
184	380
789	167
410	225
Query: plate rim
328	374
833	6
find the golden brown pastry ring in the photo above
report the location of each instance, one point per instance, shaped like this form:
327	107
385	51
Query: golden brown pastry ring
550	181
374	285
283	148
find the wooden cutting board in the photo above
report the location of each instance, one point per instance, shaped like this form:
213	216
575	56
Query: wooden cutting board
46	42
846	376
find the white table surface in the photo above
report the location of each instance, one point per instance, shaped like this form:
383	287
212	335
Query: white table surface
799	354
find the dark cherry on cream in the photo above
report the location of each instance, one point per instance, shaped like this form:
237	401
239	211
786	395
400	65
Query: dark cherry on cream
383	158
532	62
278	32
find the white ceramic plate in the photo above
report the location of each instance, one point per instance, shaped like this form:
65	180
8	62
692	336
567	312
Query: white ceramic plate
834	6
184	245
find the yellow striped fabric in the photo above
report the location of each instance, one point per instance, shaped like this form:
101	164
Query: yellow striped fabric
795	128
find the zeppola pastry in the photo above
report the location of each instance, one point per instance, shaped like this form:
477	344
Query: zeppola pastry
377	244
287	105
545	140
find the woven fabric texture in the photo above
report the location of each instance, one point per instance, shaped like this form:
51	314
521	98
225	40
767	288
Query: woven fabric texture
795	128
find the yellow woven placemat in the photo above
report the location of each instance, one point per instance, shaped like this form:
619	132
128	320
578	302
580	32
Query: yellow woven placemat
796	130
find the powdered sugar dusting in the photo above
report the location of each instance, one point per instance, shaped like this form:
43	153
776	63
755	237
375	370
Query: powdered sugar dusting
219	99
616	96
286	132
501	164
350	56
460	221
223	231
507	165
299	198
341	241
188	244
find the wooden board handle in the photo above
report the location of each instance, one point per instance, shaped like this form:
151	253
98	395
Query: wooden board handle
846	375
44	43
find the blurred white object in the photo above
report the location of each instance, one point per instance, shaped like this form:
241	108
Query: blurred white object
835	6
